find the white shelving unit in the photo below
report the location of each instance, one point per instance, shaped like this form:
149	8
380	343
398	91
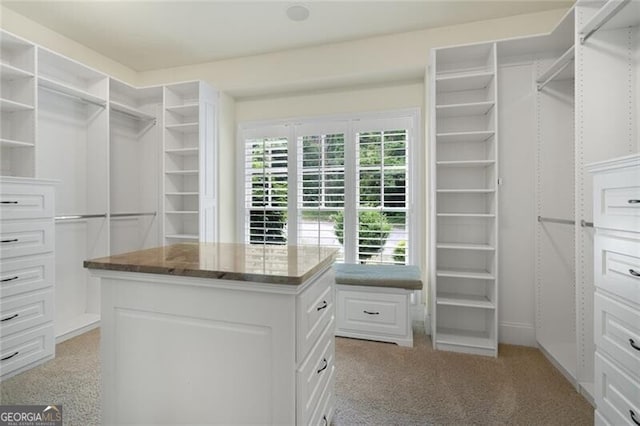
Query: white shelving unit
189	193
17	106
464	199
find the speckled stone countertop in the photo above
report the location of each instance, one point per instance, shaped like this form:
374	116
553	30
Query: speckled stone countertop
291	265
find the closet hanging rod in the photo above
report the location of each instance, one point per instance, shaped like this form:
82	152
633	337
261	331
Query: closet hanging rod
556	68
137	117
608	11
133	214
76	97
583	222
79	216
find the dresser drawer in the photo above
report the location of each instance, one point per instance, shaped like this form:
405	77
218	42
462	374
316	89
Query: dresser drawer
617	265
25	311
313	374
617	395
26	238
25	201
315	310
617	200
20	350
372	312
324	412
27	274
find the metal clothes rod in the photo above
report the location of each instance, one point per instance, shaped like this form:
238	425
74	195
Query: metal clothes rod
137	117
602	17
79	216
556	68
133	214
583	222
80	98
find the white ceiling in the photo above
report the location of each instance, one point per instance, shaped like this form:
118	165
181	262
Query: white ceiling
146	35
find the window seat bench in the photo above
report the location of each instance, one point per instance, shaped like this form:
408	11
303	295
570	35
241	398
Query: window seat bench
372	301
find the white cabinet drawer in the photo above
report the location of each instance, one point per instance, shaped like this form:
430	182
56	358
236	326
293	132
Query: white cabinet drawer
315	310
372	312
24	201
24	275
617	332
617	395
24	311
26	238
617	200
313	374
617	266
324	412
20	350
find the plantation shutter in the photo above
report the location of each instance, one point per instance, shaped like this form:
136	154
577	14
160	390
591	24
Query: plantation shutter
266	186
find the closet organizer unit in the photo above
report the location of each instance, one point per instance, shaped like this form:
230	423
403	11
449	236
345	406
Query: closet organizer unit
189	155
72	148
17	106
135	135
464	199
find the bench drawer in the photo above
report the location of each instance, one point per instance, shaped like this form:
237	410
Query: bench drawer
617	395
315	309
617	200
374	312
26	238
617	265
24	201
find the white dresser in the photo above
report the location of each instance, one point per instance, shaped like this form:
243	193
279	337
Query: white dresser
26	274
616	216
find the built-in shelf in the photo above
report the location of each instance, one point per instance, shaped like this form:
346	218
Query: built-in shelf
612	15
469	301
181	193
181	172
460	82
465	246
10	143
70	91
465	191
488	215
466	163
7	105
474	274
186	110
479	136
183	127
560	69
131	111
182	151
471	339
9	72
182	236
464	110
182	212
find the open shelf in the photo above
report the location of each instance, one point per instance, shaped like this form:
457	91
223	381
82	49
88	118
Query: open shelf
466	163
471	339
7	105
65	89
10	143
182	237
474	274
464	81
465	300
462	246
182	151
131	111
181	172
479	136
183	127
614	14
186	110
464	110
9	72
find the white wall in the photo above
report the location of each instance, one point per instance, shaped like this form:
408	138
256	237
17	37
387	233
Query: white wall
226	164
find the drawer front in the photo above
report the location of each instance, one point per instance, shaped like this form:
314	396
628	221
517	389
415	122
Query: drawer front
617	395
315	309
20	350
617	332
370	312
313	374
617	266
25	311
23	201
599	420
26	238
24	275
325	410
617	200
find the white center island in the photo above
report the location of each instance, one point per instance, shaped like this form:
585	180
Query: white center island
217	334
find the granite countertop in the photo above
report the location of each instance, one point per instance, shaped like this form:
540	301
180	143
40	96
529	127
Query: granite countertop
291	265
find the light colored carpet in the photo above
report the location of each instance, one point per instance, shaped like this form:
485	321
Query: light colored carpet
377	384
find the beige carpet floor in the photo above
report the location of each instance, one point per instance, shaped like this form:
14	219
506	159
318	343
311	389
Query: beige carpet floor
377	384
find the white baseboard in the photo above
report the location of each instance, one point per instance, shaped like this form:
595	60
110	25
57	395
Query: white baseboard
517	333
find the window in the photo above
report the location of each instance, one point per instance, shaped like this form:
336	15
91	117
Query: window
343	183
